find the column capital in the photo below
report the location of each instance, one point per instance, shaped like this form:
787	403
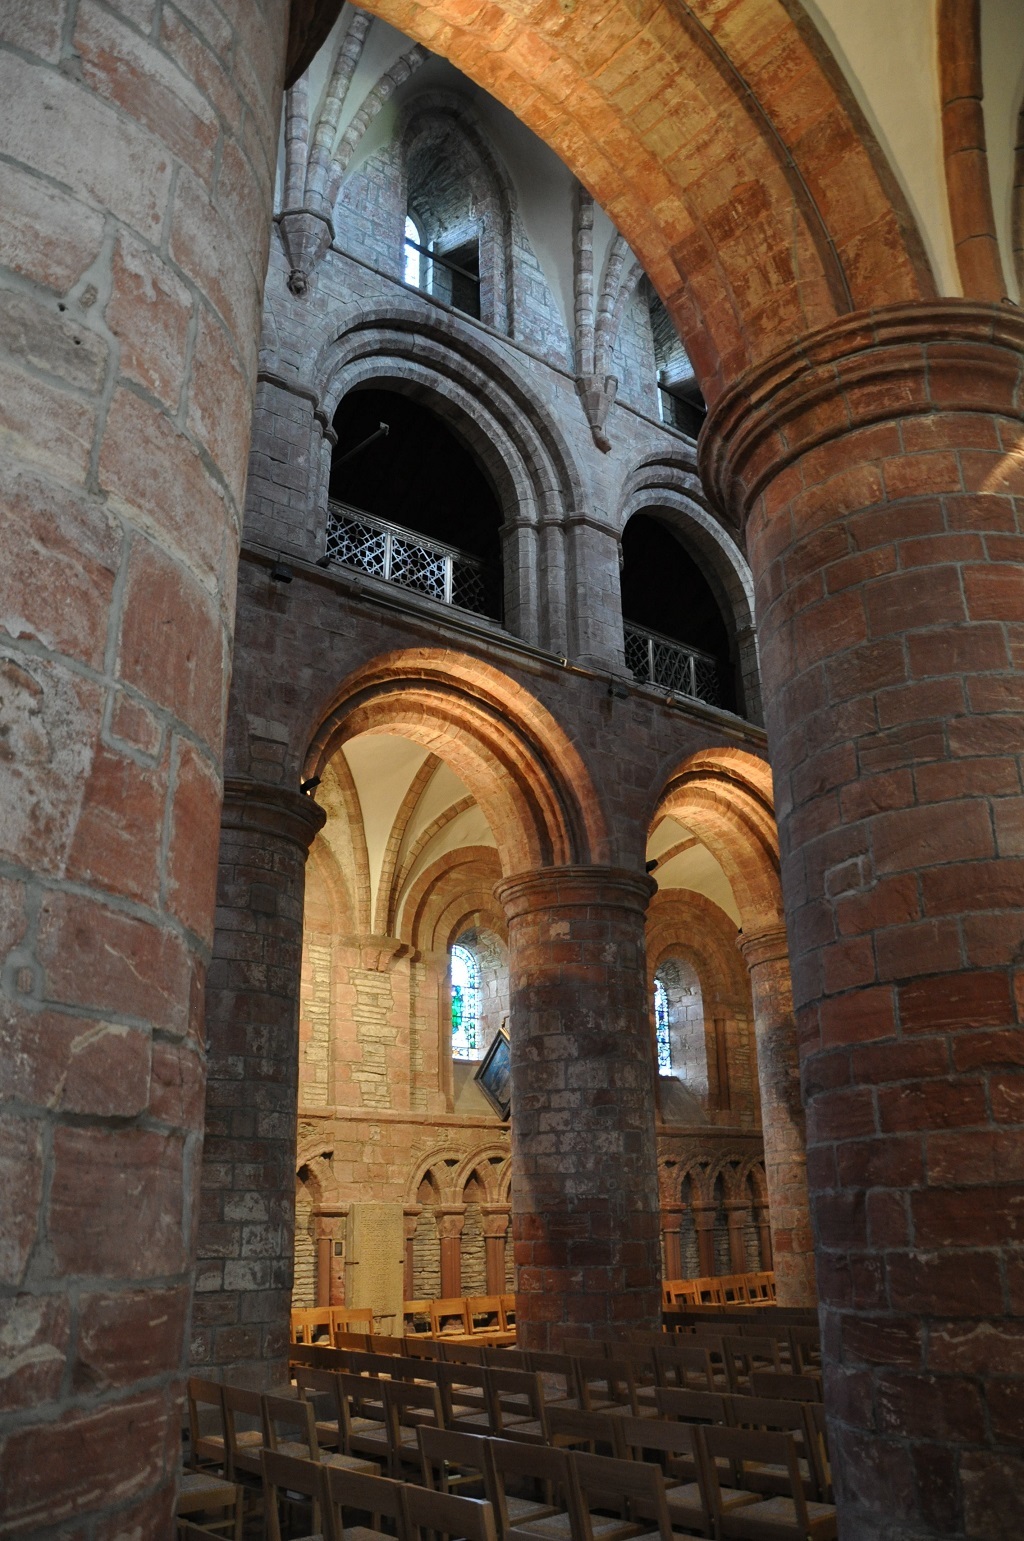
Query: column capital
450	1220
764	944
550	888
258	806
870	367
494	1219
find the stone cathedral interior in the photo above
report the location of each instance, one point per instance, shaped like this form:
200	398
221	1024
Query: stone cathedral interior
511	707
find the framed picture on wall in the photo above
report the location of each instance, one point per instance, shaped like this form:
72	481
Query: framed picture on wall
494	1077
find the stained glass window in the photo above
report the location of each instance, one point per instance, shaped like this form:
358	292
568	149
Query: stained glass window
412	268
465	1004
663	1028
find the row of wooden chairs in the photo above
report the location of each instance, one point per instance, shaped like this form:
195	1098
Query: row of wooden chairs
721	1289
749	1484
308	1323
491	1316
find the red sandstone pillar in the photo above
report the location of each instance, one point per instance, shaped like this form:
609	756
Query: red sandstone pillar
135	192
584	1180
672	1250
410	1222
245	1250
704	1224
450	1223
782	1114
495	1227
879	468
738	1216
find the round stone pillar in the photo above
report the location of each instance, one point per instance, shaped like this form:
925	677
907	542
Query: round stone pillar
585	1215
135	200
494	1220
878	467
782	1114
246	1244
450	1225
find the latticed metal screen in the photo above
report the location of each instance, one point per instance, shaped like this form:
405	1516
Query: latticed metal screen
657	660
356	539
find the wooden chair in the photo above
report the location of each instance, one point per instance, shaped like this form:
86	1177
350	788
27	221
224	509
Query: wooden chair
515	1400
484	1313
407	1405
606	1385
674	1443
423	1348
775	1417
289	1428
243	1409
632	1486
684	1366
320	1389
789	1388
458	1351
199	1492
380	1343
448	1316
445	1514
804	1350
546	1472
789	1517
508	1312
352	1319
464	1400
557	1375
817	1447
207	1438
454	1461
285	1475
744	1355
361	1415
415	1317
691	1406
575	1428
351	1494
506	1358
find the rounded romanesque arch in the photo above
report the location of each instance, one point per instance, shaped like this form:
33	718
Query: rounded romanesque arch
749	241
527	777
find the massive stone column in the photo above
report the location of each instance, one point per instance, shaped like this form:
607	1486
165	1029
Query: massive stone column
782	1114
879	467
135	192
585	1215
246	1246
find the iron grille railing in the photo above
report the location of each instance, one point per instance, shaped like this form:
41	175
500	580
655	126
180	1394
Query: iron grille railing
656	660
358	539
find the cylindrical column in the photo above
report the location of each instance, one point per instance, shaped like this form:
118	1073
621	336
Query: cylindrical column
494	1219
410	1222
671	1242
245	1248
585	1209
450	1224
879	467
782	1113
135	191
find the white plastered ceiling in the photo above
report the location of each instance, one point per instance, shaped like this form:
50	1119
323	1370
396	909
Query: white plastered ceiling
692	867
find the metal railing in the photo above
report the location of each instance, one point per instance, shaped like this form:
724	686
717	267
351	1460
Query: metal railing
371	545
656	660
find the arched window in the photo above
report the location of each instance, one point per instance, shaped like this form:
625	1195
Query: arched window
663	1026
412	267
465	1004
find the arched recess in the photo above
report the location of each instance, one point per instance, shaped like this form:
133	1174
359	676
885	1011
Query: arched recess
447	128
725	797
460	376
755	196
687	925
669	487
528	778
